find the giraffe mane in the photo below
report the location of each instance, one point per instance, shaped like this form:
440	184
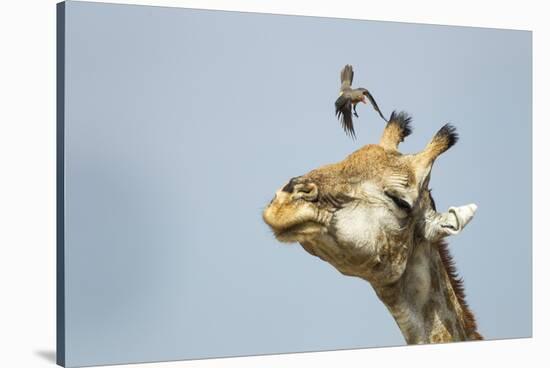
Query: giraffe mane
457	283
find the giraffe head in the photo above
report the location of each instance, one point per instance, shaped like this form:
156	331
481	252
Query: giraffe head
364	214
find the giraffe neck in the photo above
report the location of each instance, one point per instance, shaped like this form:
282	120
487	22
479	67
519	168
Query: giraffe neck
423	302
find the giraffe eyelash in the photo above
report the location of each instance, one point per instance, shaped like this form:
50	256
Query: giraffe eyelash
399	202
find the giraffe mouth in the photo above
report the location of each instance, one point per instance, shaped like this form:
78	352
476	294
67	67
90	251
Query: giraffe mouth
297	232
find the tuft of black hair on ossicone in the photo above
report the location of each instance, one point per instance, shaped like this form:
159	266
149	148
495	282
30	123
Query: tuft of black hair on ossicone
403	120
449	133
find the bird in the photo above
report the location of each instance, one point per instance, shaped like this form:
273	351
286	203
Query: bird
349	98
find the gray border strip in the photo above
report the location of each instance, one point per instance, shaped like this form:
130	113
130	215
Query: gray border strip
60	187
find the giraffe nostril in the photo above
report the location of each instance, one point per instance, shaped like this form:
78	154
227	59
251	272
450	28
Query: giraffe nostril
308	191
298	189
289	188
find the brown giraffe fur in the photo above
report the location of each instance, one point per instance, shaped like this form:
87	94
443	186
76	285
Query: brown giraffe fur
372	216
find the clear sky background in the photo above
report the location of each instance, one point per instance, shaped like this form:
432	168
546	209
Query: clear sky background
180	126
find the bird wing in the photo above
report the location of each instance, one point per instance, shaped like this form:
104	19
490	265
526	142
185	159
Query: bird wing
346	77
374	104
343	113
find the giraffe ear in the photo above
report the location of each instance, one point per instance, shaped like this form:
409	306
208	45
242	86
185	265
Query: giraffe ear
440	225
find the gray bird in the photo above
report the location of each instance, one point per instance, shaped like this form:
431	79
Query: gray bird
349	98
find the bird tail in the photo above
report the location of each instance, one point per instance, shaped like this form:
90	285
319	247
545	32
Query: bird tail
343	113
346	75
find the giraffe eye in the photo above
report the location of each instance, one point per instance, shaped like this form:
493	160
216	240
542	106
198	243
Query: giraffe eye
401	203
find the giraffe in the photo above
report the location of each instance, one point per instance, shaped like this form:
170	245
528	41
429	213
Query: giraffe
372	216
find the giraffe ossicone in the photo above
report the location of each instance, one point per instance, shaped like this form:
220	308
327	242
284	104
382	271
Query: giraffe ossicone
372	216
